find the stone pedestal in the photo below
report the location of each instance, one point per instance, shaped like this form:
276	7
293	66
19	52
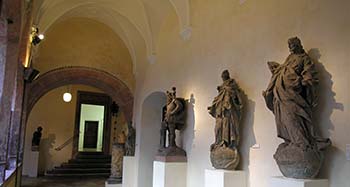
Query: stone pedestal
118	152
33	164
112	185
225	178
169	174
129	171
287	182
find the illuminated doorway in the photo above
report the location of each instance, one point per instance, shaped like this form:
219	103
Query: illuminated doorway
92	126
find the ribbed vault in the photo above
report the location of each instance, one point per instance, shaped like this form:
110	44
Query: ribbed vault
137	22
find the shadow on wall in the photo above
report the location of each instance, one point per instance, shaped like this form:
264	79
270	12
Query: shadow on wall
247	135
188	134
150	136
323	113
46	145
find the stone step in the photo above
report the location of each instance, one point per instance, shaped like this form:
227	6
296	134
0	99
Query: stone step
91	156
86	165
105	175
90	160
79	170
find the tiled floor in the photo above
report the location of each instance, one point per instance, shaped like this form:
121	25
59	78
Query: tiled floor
68	182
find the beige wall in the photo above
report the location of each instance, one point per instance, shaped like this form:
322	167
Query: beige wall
57	119
242	36
85	42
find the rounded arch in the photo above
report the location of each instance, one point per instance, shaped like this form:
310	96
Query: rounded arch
151	119
102	80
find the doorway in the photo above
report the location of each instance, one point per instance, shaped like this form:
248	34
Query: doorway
92	127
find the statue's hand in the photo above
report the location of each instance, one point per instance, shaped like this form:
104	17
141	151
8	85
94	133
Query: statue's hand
264	93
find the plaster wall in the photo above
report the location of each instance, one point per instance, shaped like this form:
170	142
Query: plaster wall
242	36
57	119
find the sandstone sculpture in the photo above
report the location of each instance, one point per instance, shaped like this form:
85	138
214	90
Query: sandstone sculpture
118	152
226	109
291	96
173	119
36	139
130	141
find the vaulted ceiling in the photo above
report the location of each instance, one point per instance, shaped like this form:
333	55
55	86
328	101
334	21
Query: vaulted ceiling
137	22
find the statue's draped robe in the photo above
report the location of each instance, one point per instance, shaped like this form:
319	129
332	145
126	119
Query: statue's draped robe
226	108
291	97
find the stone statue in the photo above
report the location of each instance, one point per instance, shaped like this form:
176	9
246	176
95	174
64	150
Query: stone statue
118	152
173	119
226	109
130	141
291	96
36	139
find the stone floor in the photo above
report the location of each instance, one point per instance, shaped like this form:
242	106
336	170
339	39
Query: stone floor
67	182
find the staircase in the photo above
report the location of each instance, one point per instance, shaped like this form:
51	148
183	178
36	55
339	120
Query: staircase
85	164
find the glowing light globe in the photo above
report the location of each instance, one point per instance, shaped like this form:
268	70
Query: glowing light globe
67	97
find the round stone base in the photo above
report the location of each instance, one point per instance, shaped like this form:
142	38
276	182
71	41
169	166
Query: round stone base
223	157
296	162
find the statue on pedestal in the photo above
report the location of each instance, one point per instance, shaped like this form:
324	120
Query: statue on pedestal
173	119
118	152
36	139
227	110
291	96
130	141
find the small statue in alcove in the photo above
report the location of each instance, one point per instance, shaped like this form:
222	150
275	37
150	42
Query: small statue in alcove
291	96
36	139
227	110
173	119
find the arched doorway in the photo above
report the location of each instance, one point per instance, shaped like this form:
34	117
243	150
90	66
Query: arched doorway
103	81
150	136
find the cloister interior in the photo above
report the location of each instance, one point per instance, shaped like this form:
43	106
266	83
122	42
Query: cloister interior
117	59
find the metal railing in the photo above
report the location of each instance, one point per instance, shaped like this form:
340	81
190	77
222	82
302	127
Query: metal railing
67	142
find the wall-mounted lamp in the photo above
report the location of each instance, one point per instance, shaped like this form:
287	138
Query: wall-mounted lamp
67	96
36	37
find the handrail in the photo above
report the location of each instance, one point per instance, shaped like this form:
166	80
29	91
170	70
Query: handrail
59	148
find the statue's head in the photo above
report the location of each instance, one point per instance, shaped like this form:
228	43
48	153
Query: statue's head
171	95
295	45
39	129
225	75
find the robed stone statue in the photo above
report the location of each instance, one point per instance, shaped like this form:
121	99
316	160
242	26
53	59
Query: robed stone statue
173	119
291	96
227	110
130	141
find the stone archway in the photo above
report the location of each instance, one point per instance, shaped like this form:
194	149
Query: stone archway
102	80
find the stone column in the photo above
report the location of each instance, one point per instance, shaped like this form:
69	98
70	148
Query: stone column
3	110
13	140
118	152
16	120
